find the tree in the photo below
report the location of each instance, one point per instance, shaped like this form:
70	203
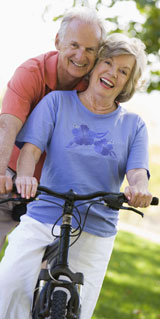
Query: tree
148	31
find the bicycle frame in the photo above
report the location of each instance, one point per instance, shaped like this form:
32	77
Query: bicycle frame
59	275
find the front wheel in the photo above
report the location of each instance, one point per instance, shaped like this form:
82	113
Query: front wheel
59	305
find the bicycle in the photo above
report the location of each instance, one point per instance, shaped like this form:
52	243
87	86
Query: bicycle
58	290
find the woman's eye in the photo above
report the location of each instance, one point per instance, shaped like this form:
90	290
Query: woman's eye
123	72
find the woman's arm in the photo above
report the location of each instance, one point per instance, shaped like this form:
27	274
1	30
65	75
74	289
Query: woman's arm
25	182
137	191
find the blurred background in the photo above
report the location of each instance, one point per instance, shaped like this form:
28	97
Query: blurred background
28	28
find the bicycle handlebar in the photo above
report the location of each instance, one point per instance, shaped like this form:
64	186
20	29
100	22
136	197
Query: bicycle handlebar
75	197
112	200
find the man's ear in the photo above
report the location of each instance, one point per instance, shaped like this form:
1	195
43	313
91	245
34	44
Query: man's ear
57	42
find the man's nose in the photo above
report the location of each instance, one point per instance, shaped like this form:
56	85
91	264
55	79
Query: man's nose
80	54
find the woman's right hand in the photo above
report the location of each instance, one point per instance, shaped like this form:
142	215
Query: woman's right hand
26	186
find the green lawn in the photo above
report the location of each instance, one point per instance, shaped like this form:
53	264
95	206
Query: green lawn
131	289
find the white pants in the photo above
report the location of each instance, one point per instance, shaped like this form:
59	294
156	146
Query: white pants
21	265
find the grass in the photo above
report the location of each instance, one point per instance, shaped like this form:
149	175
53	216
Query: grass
2	252
131	288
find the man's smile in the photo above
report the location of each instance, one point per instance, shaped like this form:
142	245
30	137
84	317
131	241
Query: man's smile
78	64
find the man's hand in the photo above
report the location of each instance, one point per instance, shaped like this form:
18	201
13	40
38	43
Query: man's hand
6	184
26	186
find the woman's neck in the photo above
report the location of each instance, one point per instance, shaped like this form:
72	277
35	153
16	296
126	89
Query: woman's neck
97	104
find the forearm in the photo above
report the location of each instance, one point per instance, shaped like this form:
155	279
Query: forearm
138	177
25	182
137	192
9	128
27	160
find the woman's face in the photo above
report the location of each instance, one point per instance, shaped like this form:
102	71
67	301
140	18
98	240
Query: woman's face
110	75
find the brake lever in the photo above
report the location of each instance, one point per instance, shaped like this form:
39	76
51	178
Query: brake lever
118	204
133	210
114	201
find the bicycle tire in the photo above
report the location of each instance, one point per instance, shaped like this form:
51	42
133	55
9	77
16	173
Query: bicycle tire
59	303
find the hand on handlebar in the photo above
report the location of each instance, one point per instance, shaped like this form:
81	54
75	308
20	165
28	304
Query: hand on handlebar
6	184
26	186
136	197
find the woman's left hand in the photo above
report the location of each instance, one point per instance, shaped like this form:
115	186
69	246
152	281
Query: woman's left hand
137	197
137	191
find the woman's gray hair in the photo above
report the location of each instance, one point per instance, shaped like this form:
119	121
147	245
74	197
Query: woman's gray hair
119	44
85	14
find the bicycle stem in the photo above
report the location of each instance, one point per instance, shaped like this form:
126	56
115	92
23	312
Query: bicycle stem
65	233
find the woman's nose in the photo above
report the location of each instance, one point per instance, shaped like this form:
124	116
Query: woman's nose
113	72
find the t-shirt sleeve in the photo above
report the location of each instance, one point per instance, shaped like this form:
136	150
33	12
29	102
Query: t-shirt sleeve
23	91
139	149
39	127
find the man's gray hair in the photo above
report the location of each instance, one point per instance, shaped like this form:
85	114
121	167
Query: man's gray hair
119	44
85	14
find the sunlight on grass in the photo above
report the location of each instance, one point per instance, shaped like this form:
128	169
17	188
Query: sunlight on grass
131	287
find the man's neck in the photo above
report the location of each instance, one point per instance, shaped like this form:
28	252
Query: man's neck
68	84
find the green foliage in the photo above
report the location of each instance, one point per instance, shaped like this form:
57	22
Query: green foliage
154	85
150	34
58	17
131	287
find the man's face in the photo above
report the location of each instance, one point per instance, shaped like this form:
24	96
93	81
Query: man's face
78	48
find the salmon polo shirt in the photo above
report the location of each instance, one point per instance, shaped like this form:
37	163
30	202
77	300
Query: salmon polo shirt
31	81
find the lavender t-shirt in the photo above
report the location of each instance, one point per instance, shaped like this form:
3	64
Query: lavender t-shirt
86	152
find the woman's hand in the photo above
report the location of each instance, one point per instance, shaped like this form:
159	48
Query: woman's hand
137	191
26	186
137	197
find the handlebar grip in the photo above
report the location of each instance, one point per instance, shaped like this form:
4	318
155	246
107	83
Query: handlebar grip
155	201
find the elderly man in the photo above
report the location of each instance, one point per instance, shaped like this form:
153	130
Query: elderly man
79	37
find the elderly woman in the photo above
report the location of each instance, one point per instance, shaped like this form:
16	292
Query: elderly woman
91	142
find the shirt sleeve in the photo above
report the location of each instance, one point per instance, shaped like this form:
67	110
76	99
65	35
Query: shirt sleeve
24	90
139	149
39	127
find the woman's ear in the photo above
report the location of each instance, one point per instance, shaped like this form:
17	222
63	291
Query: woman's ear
57	42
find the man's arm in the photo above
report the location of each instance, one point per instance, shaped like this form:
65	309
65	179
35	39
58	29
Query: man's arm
9	128
25	182
137	192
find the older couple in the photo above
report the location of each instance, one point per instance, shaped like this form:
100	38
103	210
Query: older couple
91	142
